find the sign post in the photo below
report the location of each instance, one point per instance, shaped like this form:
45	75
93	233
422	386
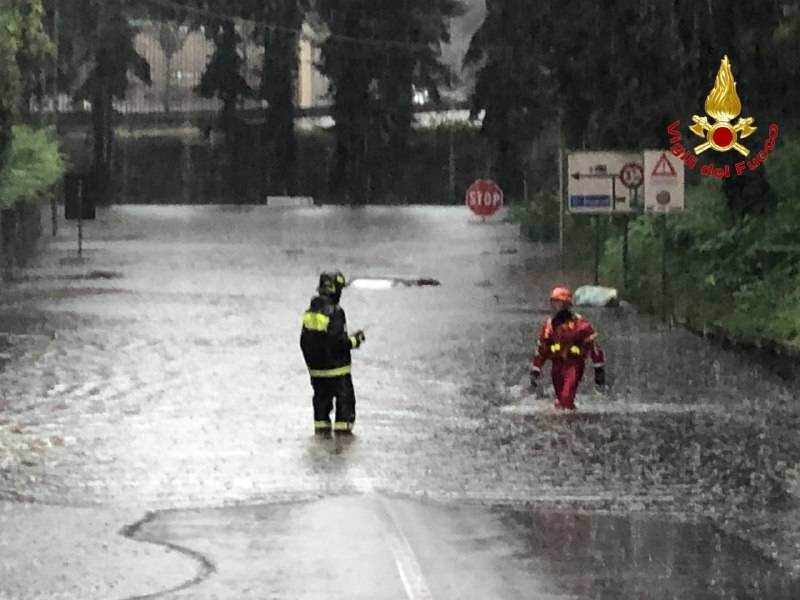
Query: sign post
561	202
593	190
484	198
76	205
632	177
80	218
663	194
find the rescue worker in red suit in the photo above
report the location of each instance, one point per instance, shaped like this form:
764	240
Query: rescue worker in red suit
567	339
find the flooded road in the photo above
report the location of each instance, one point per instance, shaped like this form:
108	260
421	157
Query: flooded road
163	373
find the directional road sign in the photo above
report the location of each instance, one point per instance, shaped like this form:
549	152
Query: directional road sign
595	183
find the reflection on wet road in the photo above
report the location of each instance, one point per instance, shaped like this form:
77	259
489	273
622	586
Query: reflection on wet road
178	382
354	547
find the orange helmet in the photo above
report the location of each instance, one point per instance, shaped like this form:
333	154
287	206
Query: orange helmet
561	294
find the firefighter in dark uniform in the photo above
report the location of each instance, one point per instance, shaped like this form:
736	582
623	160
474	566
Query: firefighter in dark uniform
326	348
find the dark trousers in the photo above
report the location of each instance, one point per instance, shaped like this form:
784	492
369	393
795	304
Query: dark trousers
328	388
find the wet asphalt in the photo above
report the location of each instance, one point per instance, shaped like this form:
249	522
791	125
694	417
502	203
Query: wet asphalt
155	425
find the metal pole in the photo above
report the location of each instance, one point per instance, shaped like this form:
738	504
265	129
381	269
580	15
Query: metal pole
561	193
451	161
596	250
54	212
613	193
80	217
56	56
56	37
664	267
525	185
625	282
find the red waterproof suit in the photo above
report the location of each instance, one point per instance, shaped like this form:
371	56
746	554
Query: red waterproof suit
567	345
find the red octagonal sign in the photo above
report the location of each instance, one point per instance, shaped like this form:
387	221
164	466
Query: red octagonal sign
484	197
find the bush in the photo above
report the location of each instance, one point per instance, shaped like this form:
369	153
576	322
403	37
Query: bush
34	165
727	266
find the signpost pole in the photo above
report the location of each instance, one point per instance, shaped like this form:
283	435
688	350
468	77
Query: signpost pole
613	193
80	217
663	267
596	250
56	24
561	198
625	282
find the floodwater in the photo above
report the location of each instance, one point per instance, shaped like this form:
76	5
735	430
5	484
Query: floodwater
161	375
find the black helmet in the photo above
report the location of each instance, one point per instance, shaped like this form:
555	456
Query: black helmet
331	284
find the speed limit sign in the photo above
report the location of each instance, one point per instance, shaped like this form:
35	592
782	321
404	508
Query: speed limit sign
632	175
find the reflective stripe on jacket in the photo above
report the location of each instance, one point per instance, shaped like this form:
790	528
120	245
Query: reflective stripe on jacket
324	340
574	338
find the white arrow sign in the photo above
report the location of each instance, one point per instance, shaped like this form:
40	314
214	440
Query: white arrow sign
594	184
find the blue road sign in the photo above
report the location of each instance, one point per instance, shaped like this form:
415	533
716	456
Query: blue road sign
590	201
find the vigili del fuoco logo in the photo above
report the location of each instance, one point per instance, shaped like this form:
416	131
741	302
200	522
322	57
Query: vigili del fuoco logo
721	133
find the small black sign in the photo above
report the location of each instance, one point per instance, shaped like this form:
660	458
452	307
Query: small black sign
77	196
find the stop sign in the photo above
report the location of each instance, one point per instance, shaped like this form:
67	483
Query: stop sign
484	197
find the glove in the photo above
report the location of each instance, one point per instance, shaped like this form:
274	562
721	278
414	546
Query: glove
600	377
534	377
360	337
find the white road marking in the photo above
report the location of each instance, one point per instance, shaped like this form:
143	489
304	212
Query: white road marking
404	558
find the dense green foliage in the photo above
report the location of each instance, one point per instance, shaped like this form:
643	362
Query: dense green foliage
736	271
615	74
29	160
34	165
23	45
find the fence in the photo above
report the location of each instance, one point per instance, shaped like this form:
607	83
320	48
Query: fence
177	55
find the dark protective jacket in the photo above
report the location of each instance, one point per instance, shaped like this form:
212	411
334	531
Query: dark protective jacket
324	340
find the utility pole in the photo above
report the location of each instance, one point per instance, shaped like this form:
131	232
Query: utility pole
56	39
451	163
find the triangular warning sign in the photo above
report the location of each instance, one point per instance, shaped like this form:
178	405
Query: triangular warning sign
664	167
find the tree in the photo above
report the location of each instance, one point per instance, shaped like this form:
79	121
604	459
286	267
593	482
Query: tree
23	47
278	76
514	84
373	56
349	67
418	27
171	37
223	76
35	48
9	77
95	62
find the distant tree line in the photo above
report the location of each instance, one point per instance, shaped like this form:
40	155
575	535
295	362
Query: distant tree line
614	74
608	75
371	52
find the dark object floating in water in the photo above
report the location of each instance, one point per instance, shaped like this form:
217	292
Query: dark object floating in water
103	275
424	281
96	274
